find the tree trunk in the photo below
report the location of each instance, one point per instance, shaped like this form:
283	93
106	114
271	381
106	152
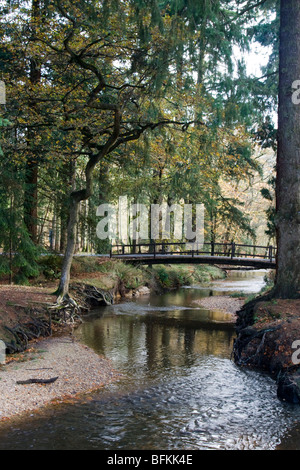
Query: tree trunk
63	288
70	169
287	284
31	172
63	232
31	198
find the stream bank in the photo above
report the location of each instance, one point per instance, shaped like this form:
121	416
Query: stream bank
268	338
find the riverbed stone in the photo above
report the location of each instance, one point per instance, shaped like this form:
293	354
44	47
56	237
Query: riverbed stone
142	291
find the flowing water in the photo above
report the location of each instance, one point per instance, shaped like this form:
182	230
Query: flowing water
180	390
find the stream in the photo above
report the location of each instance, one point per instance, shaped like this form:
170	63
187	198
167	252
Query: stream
180	390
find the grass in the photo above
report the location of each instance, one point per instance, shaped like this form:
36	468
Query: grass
131	277
115	273
237	295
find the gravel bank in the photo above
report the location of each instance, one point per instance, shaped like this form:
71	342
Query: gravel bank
224	303
78	368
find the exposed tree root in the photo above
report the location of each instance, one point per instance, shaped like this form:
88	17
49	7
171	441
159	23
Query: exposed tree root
23	333
69	308
257	339
65	310
93	296
245	317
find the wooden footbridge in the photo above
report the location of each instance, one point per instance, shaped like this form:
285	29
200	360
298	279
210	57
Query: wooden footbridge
223	254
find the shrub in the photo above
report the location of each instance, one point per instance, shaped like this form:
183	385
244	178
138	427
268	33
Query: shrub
50	266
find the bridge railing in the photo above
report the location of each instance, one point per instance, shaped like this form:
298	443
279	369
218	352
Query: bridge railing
231	250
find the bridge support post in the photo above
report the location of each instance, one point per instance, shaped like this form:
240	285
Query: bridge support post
271	253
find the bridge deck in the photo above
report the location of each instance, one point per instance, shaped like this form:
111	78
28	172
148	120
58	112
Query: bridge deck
145	258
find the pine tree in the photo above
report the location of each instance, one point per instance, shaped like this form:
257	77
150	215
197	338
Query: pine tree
19	255
287	284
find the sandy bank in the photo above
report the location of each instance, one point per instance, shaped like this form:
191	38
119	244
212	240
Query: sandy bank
224	303
79	370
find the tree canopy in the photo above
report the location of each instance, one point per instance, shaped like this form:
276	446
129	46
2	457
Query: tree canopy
142	97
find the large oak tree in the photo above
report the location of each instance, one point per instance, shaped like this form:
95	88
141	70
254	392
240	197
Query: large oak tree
288	159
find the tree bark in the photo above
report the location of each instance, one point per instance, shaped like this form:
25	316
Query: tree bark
31	198
287	284
63	289
32	167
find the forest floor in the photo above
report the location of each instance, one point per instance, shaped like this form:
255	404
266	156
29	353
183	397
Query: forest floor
15	302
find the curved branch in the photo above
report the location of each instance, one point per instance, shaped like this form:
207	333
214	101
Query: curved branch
136	133
85	193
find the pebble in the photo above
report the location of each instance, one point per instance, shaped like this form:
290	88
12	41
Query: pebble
224	303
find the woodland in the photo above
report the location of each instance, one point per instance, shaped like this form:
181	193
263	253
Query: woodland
152	99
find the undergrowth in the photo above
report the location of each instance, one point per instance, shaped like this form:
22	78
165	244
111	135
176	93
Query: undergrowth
109	273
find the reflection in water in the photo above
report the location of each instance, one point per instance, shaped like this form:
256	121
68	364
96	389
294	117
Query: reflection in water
180	389
247	282
150	345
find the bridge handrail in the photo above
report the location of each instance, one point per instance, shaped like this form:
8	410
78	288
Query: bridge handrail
230	249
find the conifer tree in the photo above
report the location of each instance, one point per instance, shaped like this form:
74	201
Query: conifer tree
287	284
18	260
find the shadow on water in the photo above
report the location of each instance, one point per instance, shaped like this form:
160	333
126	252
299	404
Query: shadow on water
180	389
